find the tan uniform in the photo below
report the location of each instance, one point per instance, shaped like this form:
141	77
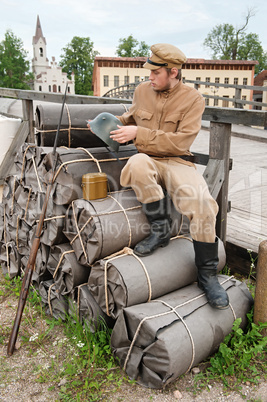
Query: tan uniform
168	122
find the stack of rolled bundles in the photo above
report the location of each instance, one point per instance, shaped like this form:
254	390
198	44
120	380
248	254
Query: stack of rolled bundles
73	130
85	264
23	196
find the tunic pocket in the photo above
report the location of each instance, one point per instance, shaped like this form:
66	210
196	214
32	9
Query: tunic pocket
144	114
171	121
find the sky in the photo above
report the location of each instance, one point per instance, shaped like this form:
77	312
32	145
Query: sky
181	23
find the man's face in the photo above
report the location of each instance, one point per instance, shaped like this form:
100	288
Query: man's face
160	80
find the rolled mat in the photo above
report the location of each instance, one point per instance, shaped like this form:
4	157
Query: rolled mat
73	130
86	309
74	163
10	259
125	279
98	228
158	341
55	304
69	273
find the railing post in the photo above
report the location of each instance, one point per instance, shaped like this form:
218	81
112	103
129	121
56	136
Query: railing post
260	306
27	110
220	139
238	97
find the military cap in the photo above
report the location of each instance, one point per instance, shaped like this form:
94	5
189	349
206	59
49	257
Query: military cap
165	55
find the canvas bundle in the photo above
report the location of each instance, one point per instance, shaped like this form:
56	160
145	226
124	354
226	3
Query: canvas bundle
73	130
99	228
84	306
157	342
125	279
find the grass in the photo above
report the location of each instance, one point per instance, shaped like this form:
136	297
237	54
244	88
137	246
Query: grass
80	364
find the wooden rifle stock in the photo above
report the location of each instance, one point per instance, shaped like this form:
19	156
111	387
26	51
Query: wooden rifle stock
36	242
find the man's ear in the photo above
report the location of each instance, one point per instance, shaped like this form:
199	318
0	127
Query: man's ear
174	72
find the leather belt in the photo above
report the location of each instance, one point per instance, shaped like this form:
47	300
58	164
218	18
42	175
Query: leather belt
189	158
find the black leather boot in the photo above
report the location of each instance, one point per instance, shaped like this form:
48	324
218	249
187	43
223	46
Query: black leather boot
206	259
160	221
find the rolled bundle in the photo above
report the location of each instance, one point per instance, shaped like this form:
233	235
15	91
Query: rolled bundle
74	163
54	221
30	168
10	259
73	130
68	272
40	272
84	306
21	233
102	227
125	279
158	341
54	303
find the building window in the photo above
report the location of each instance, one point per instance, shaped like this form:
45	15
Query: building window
217	80
244	97
49	88
41	52
106	80
59	88
207	101
215	102
40	88
198	79
225	103
245	81
126	79
226	80
136	79
116	80
146	78
207	80
235	81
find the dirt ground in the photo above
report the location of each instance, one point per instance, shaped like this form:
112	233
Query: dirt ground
19	373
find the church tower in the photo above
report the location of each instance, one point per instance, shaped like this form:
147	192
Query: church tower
47	77
40	60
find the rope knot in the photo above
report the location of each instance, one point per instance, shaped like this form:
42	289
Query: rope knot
128	251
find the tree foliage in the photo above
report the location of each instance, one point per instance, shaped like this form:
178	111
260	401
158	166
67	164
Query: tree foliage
14	66
79	58
130	47
229	43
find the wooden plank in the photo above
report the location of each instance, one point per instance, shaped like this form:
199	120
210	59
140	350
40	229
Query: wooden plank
236	116
58	97
16	143
27	110
220	138
214	175
238	259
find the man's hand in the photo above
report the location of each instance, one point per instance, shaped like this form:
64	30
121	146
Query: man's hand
124	134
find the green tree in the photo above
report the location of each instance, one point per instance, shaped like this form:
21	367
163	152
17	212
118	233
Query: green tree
14	66
130	47
79	58
229	43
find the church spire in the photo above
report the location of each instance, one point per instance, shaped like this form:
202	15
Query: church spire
38	32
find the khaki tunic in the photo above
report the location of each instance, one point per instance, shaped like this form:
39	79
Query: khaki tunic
167	124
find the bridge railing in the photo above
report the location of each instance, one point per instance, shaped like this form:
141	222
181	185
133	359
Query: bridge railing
126	91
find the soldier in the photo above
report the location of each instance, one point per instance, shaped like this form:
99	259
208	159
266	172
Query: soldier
163	121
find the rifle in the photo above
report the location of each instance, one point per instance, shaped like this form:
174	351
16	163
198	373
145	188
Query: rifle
35	245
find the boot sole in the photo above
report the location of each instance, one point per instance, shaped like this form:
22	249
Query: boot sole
151	252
